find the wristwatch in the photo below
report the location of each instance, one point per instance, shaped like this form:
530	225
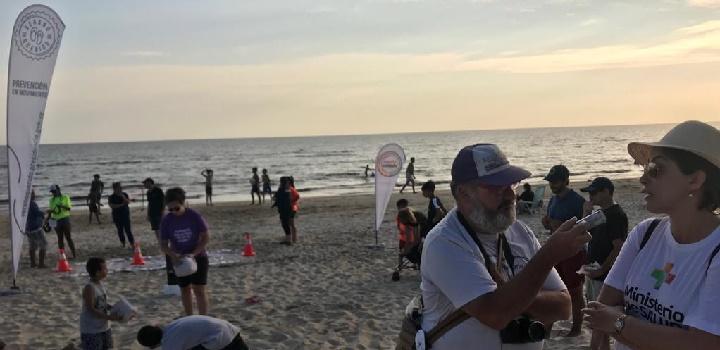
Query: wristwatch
620	323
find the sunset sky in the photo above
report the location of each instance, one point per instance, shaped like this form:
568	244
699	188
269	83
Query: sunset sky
148	70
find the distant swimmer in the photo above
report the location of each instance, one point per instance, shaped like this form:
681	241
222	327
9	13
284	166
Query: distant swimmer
368	171
410	175
255	187
208	175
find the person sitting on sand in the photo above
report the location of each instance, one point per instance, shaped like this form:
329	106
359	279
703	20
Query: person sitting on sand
481	260
193	332
95	333
184	233
662	292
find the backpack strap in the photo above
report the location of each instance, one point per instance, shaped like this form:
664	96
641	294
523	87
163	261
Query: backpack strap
455	318
712	256
649	232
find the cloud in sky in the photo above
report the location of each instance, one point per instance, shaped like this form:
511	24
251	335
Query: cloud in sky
693	44
705	3
141	53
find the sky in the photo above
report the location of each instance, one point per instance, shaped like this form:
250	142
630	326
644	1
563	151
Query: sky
154	70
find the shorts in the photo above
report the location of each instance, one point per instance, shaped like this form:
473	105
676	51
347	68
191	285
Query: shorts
155	222
37	239
568	270
96	341
255	189
266	188
237	344
208	190
63	225
199	278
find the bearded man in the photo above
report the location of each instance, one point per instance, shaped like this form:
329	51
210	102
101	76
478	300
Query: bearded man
481	260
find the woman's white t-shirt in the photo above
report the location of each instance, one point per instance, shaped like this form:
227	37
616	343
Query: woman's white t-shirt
669	283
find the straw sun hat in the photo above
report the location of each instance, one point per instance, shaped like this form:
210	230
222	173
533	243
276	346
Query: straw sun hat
692	136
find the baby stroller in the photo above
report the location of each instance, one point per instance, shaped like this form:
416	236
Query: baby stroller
410	244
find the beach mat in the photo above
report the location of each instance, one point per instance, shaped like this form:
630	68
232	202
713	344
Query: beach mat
221	257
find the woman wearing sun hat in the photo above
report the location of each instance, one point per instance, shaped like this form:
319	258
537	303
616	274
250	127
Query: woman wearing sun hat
664	290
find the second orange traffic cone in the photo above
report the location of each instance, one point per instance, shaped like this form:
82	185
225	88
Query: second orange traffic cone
248	250
62	265
137	256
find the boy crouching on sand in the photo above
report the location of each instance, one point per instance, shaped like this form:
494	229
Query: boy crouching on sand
95	331
193	332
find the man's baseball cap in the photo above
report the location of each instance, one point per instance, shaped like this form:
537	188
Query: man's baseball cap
148	180
54	188
599	184
557	172
487	163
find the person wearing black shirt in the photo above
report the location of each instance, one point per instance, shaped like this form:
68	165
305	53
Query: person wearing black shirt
608	238
155	211
96	189
436	210
118	202
283	202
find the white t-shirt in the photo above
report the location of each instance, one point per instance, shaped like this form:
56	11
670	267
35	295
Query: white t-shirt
666	282
453	274
190	331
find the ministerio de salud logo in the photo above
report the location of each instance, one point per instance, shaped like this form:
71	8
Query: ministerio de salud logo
37	33
663	276
388	163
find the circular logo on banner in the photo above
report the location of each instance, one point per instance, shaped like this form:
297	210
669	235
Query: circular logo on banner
37	35
388	163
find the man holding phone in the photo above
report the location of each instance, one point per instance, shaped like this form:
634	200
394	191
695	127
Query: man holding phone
607	238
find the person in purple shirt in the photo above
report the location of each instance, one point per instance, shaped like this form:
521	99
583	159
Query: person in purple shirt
184	232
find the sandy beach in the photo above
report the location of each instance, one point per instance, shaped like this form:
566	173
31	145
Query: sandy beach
327	292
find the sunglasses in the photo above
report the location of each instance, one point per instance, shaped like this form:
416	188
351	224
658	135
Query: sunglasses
653	170
174	209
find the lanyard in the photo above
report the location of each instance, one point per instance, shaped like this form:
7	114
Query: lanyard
503	250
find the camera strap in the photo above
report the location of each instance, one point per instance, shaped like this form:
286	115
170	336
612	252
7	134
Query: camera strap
503	250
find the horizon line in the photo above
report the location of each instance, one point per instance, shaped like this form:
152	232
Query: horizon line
368	134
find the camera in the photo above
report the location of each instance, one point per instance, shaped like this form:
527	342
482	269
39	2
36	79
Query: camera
523	330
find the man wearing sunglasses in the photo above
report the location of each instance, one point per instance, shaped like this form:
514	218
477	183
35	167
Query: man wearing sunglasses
607	238
486	268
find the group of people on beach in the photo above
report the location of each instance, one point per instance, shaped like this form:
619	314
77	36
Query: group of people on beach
182	235
488	283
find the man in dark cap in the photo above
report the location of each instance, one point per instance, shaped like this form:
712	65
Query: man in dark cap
564	205
483	266
607	238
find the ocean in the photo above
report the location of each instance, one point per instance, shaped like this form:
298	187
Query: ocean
324	165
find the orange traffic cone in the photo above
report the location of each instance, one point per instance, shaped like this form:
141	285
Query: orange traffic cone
248	250
62	265
137	256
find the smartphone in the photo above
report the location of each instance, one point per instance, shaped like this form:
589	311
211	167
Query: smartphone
593	220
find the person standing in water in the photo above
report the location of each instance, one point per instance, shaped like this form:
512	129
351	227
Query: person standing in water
266	184
255	187
208	175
